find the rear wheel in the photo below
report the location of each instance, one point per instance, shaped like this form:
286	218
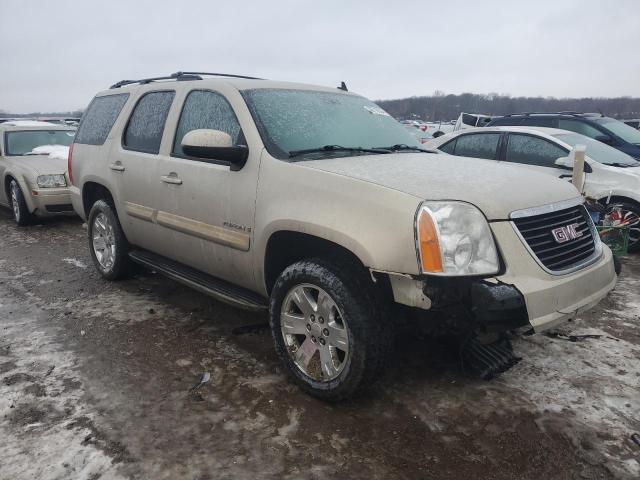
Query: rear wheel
21	212
327	329
107	243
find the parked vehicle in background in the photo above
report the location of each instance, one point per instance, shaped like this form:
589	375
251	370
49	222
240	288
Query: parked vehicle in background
594	125
33	164
315	204
471	120
425	131
611	175
633	123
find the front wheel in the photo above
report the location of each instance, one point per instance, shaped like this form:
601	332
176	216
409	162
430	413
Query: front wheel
327	328
21	213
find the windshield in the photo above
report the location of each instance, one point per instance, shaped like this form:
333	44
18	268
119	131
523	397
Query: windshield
598	151
23	142
622	130
294	120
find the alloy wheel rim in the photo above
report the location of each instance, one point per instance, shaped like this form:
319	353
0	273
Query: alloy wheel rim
315	332
631	219
634	226
14	200
103	240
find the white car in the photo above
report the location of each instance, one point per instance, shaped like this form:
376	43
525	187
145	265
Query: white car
610	175
471	120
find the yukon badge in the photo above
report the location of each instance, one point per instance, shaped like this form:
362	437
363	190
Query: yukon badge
566	233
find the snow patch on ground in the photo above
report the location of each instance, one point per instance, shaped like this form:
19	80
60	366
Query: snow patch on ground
41	405
596	382
75	262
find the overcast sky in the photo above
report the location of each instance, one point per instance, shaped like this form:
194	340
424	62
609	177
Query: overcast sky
55	55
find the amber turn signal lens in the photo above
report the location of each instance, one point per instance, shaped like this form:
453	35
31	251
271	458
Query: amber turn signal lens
429	245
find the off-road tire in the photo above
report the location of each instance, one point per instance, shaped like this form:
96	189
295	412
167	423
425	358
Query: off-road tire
370	336
122	265
19	208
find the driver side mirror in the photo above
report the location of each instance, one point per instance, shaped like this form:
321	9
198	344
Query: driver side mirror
214	145
564	162
567	163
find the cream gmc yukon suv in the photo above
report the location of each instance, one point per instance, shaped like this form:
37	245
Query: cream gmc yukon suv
315	204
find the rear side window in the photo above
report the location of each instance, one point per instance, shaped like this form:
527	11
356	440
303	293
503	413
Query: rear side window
206	109
531	150
99	118
146	124
478	145
579	127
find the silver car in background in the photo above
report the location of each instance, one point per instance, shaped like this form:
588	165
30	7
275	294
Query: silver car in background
33	166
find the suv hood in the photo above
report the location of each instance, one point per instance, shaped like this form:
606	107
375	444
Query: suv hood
496	188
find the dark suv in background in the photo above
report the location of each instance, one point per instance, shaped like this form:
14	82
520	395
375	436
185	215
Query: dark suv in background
595	125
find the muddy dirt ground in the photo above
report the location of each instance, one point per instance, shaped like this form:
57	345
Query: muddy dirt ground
96	379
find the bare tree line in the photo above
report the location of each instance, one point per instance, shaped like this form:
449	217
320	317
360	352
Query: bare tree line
70	113
440	106
443	107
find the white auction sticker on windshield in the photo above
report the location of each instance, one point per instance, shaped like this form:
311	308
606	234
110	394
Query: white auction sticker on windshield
376	111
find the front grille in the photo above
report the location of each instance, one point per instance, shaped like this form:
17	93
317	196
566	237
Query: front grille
537	231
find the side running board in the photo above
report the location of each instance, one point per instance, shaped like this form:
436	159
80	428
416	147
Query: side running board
219	289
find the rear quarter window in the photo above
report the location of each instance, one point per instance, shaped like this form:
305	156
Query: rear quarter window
448	147
99	118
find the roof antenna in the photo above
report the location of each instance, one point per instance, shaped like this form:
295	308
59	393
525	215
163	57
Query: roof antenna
343	86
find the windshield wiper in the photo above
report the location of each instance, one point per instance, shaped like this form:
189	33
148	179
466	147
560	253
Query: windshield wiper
405	147
336	148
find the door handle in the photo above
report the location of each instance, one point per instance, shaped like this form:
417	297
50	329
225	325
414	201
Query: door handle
172	178
117	167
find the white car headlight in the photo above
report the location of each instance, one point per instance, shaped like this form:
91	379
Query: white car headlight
454	238
51	181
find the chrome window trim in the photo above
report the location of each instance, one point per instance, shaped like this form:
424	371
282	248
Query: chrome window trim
554	207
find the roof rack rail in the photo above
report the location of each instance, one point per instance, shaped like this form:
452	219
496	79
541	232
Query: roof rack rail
572	114
180	77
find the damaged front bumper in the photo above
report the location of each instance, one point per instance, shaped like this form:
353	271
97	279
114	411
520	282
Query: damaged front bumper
523	296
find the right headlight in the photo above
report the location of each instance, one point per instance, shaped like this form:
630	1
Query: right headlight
453	238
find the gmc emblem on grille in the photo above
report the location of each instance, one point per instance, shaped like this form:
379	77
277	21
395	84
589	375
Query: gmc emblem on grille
566	233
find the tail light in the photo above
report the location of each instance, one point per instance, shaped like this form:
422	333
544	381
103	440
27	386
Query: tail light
70	163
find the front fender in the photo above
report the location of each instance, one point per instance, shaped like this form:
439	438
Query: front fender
374	223
24	184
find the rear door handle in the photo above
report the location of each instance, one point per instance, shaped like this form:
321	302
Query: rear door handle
117	167
172	178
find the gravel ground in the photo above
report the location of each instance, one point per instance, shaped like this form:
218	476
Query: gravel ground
96	382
